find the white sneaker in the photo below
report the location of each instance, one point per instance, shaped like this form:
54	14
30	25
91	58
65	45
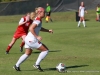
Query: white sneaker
38	67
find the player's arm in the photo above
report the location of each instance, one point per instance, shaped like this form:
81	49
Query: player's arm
32	29
86	11
79	12
46	30
96	9
21	22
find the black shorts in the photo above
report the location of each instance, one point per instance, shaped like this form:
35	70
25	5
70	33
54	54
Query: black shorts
48	13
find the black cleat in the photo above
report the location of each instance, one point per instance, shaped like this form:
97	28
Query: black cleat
16	68
38	67
7	52
21	49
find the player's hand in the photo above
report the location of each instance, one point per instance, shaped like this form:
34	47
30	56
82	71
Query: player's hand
39	38
50	31
86	12
27	17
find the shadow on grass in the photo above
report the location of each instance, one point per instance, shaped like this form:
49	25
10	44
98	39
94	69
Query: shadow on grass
76	66
54	69
87	20
37	52
49	51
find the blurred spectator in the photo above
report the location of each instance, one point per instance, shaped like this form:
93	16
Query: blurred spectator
48	13
98	12
82	11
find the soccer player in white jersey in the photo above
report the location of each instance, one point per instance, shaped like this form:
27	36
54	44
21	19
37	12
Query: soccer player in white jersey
32	41
82	11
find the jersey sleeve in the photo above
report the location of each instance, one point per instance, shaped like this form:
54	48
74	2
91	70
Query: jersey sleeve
80	8
21	20
37	22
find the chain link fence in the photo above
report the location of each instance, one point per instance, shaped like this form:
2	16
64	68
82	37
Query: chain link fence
24	6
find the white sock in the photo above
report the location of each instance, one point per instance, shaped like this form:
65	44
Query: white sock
41	56
21	59
84	23
79	23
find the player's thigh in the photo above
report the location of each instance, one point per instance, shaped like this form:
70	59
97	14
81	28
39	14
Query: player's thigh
32	43
28	51
37	45
43	48
82	18
23	37
13	41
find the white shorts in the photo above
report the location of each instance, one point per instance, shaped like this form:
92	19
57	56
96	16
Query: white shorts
31	42
81	15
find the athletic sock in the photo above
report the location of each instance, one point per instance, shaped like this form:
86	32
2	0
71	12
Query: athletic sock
21	59
41	56
8	48
47	19
79	23
84	23
22	44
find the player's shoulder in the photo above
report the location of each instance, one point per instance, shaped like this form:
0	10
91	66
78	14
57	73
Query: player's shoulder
24	17
37	18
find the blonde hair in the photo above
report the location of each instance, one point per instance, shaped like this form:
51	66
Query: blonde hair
38	9
32	15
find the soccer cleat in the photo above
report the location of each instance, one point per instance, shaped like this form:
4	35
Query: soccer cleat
85	26
7	52
78	26
38	67
16	68
21	49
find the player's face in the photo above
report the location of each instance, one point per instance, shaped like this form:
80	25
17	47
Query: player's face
47	4
82	3
42	13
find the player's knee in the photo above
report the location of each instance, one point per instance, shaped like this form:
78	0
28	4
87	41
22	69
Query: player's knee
28	51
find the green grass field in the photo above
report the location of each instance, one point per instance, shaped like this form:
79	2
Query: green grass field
77	48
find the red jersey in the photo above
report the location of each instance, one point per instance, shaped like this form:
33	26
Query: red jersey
22	29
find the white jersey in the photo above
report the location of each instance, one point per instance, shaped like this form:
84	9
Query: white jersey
30	40
82	10
38	22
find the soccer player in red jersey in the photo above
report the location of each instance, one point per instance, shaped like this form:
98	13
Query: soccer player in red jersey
21	30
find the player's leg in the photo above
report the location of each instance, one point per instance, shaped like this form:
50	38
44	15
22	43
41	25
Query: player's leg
83	20
10	45
47	18
28	52
79	22
44	51
23	43
50	16
97	18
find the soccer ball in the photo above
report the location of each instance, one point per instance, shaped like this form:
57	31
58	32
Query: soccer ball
61	67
